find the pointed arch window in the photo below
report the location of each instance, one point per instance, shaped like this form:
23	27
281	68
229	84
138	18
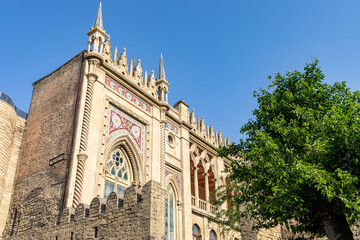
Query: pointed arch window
118	173
213	235
196	234
170	214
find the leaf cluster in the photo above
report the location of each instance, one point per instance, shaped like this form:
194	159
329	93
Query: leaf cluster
300	159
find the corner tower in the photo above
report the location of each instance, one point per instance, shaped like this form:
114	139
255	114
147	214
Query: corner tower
97	34
162	83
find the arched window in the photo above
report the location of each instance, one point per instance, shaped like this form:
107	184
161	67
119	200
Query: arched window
170	214
211	180
118	173
213	235
201	181
192	178
196	232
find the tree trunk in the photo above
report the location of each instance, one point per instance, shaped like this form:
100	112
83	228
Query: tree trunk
336	227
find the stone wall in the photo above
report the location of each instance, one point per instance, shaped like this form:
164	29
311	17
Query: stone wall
46	148
11	133
132	216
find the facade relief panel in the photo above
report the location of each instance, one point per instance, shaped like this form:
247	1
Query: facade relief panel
119	124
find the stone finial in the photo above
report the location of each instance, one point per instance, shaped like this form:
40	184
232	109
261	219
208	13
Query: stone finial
107	50
98	19
115	55
138	78
193	119
228	141
145	79
152	84
202	127
216	139
220	138
152	79
131	67
123	60
198	126
212	134
161	73
207	132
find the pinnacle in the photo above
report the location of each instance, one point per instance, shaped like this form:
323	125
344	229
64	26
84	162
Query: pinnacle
161	73
98	20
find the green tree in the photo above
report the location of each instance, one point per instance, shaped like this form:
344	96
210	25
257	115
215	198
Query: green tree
300	161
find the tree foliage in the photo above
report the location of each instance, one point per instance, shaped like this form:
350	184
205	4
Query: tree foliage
300	161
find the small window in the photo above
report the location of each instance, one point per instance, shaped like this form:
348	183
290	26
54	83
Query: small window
170	139
213	235
95	232
196	232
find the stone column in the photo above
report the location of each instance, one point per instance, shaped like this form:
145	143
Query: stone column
207	191
96	45
82	155
196	185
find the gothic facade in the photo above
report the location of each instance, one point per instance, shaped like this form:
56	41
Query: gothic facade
104	156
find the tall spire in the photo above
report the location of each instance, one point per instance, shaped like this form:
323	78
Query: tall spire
98	19
161	73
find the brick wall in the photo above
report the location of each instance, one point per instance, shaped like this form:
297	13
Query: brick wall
49	134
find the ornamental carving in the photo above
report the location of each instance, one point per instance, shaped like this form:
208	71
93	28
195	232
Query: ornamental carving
126	94
172	127
175	176
120	123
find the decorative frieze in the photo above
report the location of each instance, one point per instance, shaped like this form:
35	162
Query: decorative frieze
126	94
172	127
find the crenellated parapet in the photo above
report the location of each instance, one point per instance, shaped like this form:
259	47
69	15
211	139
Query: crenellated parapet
207	133
129	216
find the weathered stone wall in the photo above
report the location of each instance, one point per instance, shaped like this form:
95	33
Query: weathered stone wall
43	161
7	129
11	133
268	234
132	216
356	232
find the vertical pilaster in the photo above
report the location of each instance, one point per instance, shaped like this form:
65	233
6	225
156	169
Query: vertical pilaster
162	167
82	155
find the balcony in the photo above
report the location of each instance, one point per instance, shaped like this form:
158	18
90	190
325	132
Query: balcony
202	205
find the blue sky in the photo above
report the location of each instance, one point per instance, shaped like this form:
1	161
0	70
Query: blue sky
216	53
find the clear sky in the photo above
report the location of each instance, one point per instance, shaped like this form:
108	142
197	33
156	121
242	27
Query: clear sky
216	53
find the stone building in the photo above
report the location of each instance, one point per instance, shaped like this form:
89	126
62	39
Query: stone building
102	155
105	156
